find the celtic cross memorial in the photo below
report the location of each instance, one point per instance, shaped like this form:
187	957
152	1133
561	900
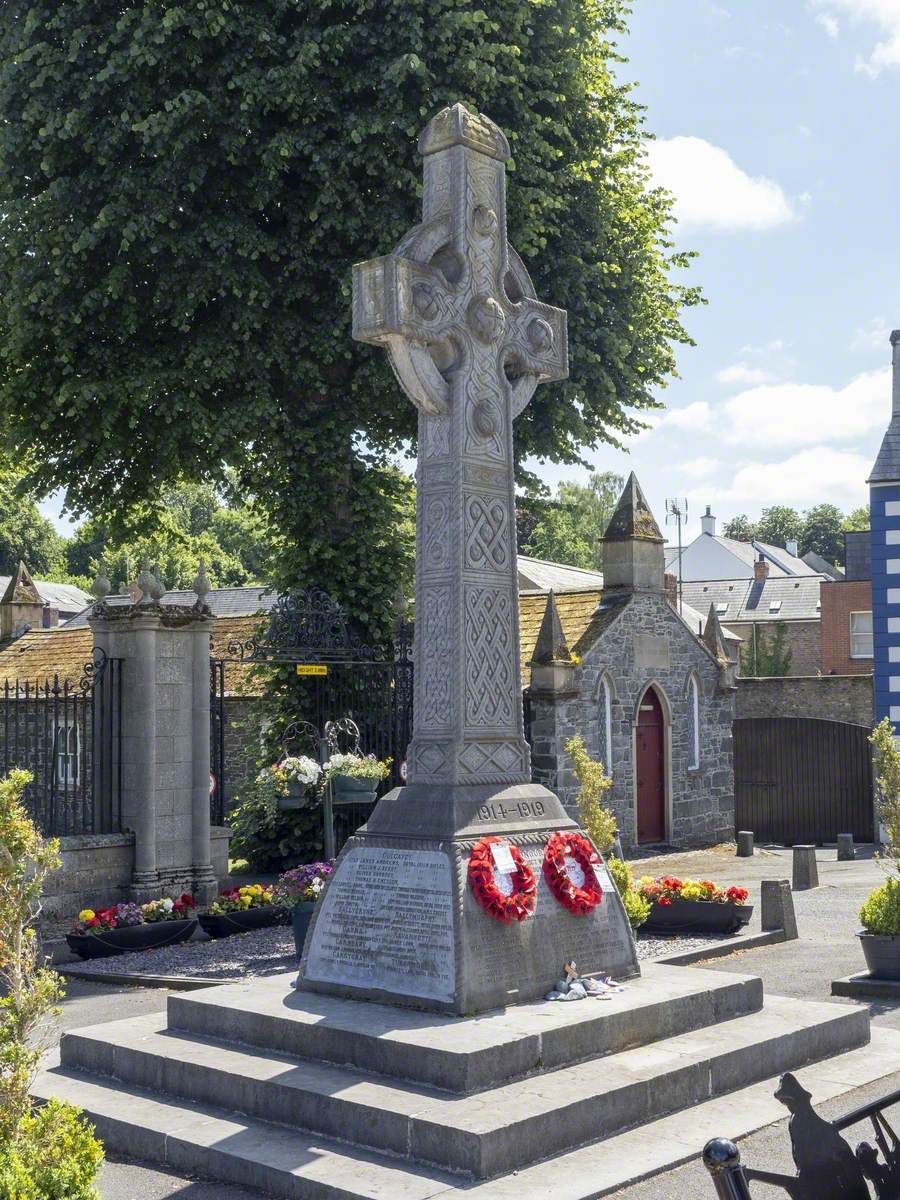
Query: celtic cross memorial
469	342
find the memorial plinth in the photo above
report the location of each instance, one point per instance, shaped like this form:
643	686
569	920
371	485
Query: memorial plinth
469	342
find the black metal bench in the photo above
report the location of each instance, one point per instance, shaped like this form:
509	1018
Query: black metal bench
827	1167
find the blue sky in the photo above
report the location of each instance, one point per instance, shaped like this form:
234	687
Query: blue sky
777	129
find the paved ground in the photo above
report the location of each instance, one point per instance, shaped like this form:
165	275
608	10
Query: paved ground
827	949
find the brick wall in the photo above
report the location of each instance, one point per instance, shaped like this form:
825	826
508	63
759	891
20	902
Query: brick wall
828	697
839	600
802	637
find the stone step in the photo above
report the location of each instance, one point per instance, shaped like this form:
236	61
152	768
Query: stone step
463	1054
211	1143
488	1133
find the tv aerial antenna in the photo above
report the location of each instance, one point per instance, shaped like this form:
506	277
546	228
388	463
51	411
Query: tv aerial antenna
677	511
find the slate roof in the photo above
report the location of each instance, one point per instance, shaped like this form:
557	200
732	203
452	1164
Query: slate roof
539	574
64	596
780	562
224	602
822	566
632	517
887	464
752	599
858	553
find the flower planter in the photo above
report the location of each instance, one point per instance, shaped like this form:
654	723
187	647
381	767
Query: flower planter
882	954
346	789
296	797
301	915
697	916
134	937
219	925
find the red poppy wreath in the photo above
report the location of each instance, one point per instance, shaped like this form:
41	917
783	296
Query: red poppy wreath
578	898
519	904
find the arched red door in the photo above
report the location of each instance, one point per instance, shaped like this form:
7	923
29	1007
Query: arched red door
651	770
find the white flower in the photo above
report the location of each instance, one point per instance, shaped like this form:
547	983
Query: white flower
302	769
168	905
317	886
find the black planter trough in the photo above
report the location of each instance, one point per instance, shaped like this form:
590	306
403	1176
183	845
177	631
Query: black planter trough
882	954
134	937
301	916
219	925
697	916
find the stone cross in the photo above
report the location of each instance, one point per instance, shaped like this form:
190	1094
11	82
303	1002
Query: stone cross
469	343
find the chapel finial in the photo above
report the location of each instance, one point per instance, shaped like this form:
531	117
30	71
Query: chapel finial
101	587
456	126
201	583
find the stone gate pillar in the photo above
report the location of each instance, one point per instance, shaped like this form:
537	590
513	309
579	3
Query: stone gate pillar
164	650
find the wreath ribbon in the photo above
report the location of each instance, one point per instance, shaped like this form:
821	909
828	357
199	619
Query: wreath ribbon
521	903
578	900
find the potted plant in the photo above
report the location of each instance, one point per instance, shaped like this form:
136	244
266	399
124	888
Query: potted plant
354	778
298	890
880	914
291	781
694	906
241	909
127	926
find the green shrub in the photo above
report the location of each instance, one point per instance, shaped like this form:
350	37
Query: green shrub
637	908
881	911
598	822
55	1157
271	838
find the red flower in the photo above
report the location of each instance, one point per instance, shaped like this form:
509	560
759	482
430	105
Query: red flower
664	901
186	900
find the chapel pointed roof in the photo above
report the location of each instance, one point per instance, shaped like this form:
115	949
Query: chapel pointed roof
713	638
632	517
551	645
21	588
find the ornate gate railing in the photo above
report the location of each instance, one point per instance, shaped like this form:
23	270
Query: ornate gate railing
309	653
68	735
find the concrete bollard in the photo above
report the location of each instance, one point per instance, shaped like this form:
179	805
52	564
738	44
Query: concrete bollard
846	849
806	873
745	843
777	907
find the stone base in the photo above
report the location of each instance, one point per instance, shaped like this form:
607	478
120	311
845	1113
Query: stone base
399	923
866	987
314	1096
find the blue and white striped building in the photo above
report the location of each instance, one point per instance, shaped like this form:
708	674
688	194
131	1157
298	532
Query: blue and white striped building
884	511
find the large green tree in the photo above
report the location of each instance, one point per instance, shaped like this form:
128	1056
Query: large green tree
570	528
183	188
26	535
777	525
823	532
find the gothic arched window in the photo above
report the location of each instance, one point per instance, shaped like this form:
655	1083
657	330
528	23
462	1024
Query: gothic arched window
605	739
694	718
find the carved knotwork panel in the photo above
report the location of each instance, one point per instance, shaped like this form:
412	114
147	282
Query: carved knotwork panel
434	657
489	679
487	545
436	549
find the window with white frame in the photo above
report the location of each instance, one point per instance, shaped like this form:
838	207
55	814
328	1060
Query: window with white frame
694	717
861	645
606	725
66	748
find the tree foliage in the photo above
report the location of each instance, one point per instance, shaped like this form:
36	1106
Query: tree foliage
778	525
823	532
183	190
25	535
766	653
741	528
820	528
570	528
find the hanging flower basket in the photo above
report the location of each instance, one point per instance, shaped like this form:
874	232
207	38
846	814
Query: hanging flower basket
569	861
516	905
348	790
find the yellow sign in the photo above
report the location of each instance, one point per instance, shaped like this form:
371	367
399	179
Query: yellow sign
311	669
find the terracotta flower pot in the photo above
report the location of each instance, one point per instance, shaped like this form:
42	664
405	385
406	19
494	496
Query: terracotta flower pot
134	937
697	916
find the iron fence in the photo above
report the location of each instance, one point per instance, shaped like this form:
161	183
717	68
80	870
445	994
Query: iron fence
68	735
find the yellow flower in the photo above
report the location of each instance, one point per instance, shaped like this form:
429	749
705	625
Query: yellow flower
246	901
86	914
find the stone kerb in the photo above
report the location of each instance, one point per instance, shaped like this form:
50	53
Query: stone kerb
165	740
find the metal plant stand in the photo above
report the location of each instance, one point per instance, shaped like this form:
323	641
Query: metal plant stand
334	736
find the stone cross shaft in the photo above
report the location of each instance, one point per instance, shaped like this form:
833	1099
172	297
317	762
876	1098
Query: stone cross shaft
469	343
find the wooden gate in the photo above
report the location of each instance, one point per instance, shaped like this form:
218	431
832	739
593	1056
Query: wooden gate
797	779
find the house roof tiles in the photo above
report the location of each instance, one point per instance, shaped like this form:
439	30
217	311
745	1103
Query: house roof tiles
777	598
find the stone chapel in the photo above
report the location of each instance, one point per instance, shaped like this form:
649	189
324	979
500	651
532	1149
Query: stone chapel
653	700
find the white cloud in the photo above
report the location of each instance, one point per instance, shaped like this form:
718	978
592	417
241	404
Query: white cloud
801	480
711	191
883	14
829	24
694	417
806	414
699	468
742	373
873	336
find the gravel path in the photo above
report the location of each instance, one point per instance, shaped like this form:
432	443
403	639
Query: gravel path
262	952
268	951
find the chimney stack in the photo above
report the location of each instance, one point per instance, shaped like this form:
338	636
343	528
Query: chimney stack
708	523
895	361
792	547
761	568
670	582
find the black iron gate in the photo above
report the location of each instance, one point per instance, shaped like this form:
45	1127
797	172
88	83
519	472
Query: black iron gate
798	779
310	656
